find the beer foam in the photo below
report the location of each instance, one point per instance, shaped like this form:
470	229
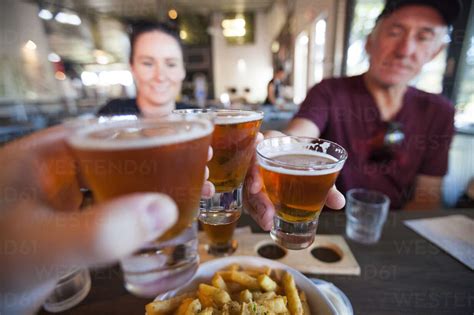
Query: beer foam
310	169
139	134
236	117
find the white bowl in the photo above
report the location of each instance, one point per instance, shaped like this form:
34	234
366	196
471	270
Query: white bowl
318	302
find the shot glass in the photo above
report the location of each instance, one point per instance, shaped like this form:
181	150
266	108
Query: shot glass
233	144
297	175
69	291
366	212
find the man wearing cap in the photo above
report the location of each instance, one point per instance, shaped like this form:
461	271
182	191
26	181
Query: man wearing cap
397	136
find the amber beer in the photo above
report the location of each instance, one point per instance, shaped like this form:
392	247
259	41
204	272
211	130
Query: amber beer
297	174
233	144
167	156
299	195
219	227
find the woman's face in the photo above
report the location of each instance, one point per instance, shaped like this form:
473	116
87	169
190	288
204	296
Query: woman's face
157	66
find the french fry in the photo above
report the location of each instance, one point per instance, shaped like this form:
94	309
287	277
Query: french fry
218	296
226	275
266	283
294	303
205	299
256	271
219	282
234	267
207	311
276	304
304	302
184	306
260	297
162	307
193	308
245	296
244	279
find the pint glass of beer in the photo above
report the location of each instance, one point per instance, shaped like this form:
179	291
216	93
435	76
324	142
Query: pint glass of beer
169	156
233	143
297	174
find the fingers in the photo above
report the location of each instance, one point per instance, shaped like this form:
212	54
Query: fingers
60	241
335	199
208	190
260	208
210	153
122	226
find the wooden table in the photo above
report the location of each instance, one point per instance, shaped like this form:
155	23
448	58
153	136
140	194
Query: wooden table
402	274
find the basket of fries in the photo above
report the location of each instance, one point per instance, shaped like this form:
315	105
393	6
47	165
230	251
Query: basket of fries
243	285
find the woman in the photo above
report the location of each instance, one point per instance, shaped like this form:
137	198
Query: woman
156	61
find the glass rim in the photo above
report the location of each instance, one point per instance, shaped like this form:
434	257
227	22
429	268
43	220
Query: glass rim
309	167
80	135
384	198
220	110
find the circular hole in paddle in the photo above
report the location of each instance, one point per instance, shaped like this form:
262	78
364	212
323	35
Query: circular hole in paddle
271	251
326	254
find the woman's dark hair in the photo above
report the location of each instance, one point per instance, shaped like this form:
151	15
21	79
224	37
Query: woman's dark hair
139	28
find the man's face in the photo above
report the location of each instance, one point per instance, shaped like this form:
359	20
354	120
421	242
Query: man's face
403	42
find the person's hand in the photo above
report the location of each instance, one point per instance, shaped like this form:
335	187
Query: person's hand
42	237
208	189
256	200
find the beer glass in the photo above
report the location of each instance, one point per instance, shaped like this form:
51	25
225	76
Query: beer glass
160	155
233	142
297	174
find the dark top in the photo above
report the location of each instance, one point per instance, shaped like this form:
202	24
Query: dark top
128	107
276	89
346	113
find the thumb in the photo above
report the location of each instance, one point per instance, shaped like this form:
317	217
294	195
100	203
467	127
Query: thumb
43	245
118	228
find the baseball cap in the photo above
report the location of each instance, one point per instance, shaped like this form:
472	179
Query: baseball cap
449	9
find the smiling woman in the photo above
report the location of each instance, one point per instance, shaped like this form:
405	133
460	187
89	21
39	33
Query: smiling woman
156	61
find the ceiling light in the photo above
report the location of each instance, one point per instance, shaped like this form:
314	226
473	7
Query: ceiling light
45	14
173	14
234	27
30	45
68	18
183	34
275	47
54	57
229	32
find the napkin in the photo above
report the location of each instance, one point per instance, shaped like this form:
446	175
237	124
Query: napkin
454	234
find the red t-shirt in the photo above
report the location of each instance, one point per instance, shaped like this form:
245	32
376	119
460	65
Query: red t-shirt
345	112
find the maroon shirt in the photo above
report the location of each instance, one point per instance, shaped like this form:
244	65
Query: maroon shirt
345	112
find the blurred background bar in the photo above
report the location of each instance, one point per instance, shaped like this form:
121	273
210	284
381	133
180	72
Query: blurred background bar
64	58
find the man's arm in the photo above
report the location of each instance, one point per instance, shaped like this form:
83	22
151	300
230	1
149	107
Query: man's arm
302	127
427	194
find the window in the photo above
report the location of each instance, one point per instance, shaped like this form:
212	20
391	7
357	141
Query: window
301	67
319	45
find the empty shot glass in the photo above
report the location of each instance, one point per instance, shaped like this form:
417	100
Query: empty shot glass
366	212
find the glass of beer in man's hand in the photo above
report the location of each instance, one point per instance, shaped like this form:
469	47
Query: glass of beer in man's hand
297	174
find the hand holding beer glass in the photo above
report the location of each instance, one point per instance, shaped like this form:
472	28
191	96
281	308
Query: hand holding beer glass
160	155
297	174
233	144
